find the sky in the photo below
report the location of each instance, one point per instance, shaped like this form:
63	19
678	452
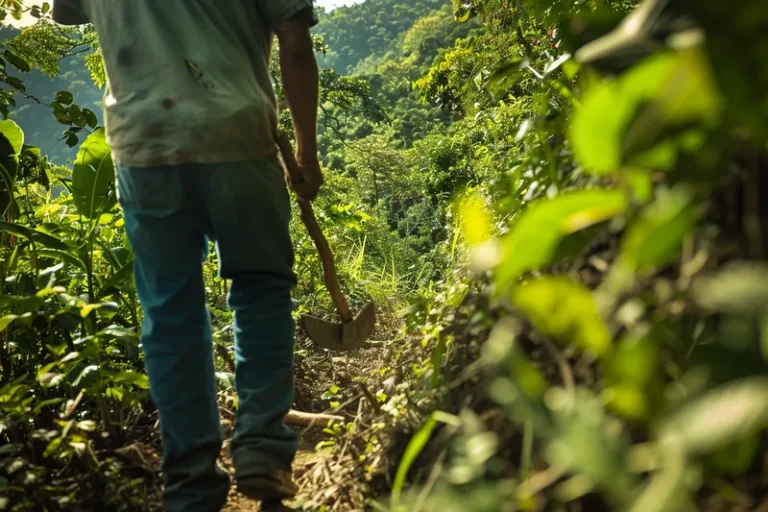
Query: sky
27	19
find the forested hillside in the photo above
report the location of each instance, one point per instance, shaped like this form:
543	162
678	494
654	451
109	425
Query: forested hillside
559	209
369	30
62	67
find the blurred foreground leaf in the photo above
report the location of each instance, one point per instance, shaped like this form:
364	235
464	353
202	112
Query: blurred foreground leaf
561	308
533	239
722	416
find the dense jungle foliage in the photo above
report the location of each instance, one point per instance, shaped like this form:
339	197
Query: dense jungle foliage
558	207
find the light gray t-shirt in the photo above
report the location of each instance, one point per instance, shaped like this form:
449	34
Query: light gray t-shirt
187	80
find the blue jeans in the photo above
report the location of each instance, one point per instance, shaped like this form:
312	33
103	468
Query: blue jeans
171	213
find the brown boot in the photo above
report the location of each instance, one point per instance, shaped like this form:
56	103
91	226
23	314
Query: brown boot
275	487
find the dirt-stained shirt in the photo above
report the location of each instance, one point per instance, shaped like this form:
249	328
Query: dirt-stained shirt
187	80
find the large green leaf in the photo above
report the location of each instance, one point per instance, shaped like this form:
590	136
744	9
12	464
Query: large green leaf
76	115
64	97
11	144
36	236
20	63
533	240
90	118
14	137
562	308
93	176
638	120
137	379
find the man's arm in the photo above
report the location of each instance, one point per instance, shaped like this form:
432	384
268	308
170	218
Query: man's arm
300	83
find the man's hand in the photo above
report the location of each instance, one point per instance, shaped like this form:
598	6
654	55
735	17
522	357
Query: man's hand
311	179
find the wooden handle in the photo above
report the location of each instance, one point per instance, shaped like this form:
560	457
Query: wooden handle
309	220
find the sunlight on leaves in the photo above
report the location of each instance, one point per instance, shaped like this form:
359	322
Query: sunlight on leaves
739	287
722	416
475	220
9	319
87	309
137	379
533	238
93	176
622	119
14	138
562	308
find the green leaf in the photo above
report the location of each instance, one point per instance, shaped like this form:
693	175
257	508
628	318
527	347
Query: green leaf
508	71
76	115
88	309
596	130
72	140
52	447
6	321
84	373
90	118
118	332
72	356
46	7
87	425
412	451
62	118
686	97
115	280
533	239
16	83
64	97
48	403
34	235
14	138
11	145
723	416
649	107
739	287
49	380
655	238
69	256
20	64
564	309
9	319
93	177
135	378
10	449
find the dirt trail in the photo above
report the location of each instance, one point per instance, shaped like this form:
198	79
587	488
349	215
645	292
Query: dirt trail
306	459
331	478
357	377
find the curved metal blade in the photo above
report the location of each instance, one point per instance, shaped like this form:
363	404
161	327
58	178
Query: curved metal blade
342	337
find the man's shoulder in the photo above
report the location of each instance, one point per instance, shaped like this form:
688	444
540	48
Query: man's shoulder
69	12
